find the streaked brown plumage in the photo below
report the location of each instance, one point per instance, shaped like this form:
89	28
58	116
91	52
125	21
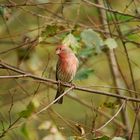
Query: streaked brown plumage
66	68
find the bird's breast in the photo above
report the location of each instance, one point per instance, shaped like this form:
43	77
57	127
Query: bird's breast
69	68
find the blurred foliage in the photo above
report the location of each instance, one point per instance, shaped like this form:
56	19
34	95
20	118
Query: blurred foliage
111	43
31	107
71	41
102	138
92	39
28	38
118	138
83	73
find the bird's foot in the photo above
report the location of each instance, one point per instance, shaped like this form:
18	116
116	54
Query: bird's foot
59	83
73	85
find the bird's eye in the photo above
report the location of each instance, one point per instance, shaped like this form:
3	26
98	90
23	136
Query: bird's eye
61	49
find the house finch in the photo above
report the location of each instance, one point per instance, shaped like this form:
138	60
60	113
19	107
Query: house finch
66	68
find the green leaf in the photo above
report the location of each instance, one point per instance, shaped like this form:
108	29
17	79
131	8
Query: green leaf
23	53
71	41
31	106
29	109
111	43
5	12
75	138
124	17
83	73
133	37
1	10
50	30
101	138
111	105
92	39
118	138
24	114
119	17
71	138
86	52
24	130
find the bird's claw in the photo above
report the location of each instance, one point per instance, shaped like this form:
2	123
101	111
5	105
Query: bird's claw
73	85
59	82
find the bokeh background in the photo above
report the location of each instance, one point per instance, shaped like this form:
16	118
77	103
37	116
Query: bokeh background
30	31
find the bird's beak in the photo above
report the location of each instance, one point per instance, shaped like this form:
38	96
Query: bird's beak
57	51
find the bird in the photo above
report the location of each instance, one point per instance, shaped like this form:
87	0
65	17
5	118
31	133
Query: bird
66	68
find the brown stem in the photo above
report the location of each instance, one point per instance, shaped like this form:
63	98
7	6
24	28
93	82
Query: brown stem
118	79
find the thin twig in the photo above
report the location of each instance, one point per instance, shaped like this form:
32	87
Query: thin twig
108	9
13	5
49	105
9	127
98	110
114	116
106	123
50	81
117	77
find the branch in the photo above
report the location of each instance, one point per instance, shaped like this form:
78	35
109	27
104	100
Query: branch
108	9
49	105
17	47
13	5
51	81
105	114
115	115
117	75
9	127
112	118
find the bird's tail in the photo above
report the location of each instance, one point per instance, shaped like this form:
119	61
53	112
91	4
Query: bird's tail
60	90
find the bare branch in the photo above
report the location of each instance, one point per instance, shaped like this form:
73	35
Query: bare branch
108	9
50	81
49	105
114	116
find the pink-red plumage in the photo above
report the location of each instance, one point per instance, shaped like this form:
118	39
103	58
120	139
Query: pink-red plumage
66	68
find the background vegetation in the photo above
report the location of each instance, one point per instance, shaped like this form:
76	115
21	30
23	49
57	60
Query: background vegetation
105	36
